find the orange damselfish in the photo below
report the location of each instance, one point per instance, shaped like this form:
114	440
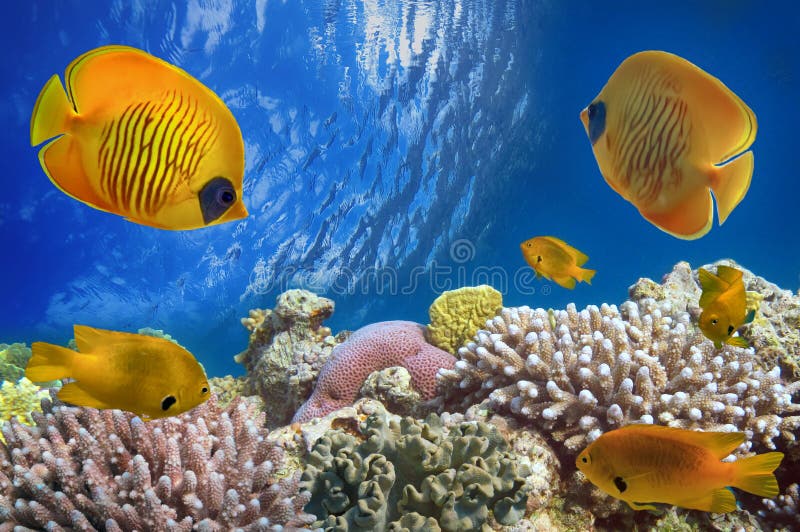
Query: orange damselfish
554	259
151	377
646	464
664	132
141	138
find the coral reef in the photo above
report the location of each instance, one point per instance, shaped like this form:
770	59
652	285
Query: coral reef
13	359
775	332
577	374
372	348
87	469
227	388
457	314
386	473
392	387
18	400
288	346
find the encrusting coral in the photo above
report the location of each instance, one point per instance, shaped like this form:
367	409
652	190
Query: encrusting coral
387	473
13	359
577	374
18	400
372	348
86	469
288	346
457	314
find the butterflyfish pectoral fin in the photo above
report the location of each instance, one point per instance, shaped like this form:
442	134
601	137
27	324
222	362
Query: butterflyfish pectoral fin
722	501
730	184
642	506
566	282
689	219
73	393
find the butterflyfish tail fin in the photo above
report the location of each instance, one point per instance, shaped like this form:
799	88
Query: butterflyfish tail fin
712	286
49	362
51	113
730	183
754	474
587	275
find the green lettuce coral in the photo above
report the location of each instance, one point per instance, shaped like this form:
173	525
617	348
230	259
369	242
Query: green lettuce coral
413	475
13	359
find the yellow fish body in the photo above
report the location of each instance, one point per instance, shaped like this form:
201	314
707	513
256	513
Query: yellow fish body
644	464
664	132
556	260
141	138
151	377
724	304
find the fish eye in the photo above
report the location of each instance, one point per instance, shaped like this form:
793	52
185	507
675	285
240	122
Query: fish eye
585	459
167	402
714	321
226	196
592	110
204	390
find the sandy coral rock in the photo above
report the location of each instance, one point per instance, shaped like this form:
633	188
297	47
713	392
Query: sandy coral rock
388	473
603	367
392	387
372	348
288	347
457	314
228	388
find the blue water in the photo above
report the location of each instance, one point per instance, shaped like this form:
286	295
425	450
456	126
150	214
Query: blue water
394	149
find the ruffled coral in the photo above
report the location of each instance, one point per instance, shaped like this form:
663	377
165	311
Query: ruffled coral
288	346
457	314
208	469
577	374
372	348
389	474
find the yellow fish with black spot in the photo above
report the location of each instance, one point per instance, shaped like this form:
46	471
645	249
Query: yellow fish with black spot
151	377
139	137
724	304
554	259
664	132
649	464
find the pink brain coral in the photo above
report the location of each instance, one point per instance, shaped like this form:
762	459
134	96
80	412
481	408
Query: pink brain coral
372	348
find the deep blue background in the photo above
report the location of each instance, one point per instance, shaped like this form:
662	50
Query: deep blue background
383	138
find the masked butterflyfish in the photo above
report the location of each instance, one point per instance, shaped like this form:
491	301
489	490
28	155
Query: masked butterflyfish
650	464
663	133
556	260
139	137
151	377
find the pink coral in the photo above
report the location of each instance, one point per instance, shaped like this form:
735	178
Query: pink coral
372	348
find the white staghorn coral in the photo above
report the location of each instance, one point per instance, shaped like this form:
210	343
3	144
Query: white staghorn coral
578	374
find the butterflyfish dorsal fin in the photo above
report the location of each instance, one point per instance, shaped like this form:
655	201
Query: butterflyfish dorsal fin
90	339
580	258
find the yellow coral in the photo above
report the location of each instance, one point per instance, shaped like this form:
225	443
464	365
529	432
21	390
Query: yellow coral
20	399
457	315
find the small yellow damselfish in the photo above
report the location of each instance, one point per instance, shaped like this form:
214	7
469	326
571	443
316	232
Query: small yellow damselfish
664	132
647	464
724	305
139	137
151	377
554	259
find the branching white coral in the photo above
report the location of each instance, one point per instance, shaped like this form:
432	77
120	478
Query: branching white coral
578	374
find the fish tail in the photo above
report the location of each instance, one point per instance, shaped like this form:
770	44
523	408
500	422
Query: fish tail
754	474
730	183
587	275
51	113
49	362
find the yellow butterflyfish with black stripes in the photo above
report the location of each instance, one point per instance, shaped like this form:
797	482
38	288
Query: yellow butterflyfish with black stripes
139	137
665	135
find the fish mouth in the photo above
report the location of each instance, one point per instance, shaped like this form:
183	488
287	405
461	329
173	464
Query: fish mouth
585	119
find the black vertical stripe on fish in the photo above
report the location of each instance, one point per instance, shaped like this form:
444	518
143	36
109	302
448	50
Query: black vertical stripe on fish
151	172
162	175
104	157
132	138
